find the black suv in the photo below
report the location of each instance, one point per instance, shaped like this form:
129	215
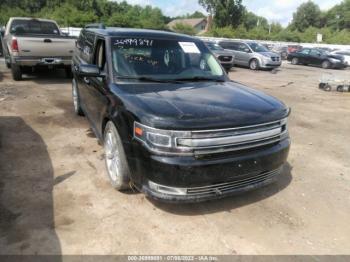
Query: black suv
173	125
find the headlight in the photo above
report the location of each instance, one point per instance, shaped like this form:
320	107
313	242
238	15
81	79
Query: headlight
159	140
334	60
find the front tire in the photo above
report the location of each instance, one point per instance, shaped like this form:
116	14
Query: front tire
16	72
76	98
115	158
254	64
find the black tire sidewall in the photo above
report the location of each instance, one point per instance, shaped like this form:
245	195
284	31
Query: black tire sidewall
77	111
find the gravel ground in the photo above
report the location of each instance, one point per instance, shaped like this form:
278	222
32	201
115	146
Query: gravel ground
55	197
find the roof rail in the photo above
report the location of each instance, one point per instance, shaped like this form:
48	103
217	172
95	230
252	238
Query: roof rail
96	26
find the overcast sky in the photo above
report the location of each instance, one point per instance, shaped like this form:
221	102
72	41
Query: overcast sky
274	10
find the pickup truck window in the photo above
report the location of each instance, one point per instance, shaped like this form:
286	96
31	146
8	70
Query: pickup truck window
20	27
163	59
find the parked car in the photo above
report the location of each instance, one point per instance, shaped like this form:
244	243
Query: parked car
344	53
226	58
293	48
29	43
282	50
172	123
252	54
314	56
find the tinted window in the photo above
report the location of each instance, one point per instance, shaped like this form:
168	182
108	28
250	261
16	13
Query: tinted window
315	52
213	46
229	45
33	27
305	51
163	59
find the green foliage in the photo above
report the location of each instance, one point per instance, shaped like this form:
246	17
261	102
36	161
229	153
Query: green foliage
226	13
81	12
184	29
307	15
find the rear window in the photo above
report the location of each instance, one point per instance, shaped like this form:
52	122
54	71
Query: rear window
33	27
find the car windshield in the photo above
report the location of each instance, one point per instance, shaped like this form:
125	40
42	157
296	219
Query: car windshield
144	59
34	27
214	46
258	48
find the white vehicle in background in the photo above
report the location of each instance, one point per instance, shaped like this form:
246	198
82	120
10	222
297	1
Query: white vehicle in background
344	53
29	43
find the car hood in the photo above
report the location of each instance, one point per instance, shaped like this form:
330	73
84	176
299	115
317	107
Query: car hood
339	57
200	105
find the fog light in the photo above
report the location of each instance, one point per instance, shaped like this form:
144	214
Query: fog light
167	190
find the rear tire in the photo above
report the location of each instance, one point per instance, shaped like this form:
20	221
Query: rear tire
116	164
254	64
16	72
8	65
295	61
326	64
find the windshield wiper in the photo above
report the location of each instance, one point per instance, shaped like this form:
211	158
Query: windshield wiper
200	78
148	79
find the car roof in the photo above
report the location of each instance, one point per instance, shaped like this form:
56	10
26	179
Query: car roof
132	32
32	19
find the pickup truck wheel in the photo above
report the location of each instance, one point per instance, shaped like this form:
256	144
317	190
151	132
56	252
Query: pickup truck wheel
254	64
116	163
8	65
76	98
295	61
16	72
326	64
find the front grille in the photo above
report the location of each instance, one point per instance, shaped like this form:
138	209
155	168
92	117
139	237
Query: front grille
275	59
225	58
222	188
233	139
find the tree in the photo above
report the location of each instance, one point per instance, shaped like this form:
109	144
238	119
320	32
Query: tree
307	15
225	12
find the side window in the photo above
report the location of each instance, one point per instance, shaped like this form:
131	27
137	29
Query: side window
315	52
242	47
305	51
99	58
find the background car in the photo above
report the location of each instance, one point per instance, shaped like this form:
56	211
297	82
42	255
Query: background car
225	57
344	53
314	56
252	54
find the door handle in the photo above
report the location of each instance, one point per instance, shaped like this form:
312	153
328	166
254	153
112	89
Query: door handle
86	80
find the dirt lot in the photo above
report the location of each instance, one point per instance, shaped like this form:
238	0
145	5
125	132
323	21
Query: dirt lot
55	198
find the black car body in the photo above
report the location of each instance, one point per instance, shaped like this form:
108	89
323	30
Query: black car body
226	58
319	57
186	139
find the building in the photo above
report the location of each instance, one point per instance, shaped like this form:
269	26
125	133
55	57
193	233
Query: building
200	25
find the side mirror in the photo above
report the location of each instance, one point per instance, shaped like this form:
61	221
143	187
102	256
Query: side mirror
247	50
88	71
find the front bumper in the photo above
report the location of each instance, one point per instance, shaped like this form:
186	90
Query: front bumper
268	63
187	179
42	61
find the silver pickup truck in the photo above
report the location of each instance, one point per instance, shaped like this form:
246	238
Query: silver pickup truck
29	43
